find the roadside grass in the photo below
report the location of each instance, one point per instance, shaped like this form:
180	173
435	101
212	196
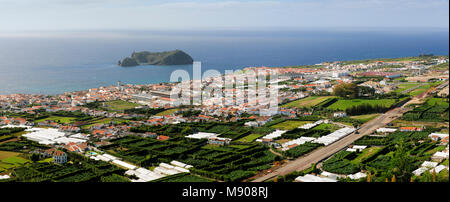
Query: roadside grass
250	138
306	102
120	105
365	118
167	112
345	104
289	125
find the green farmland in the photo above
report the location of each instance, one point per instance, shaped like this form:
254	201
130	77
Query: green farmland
120	105
58	119
307	102
344	104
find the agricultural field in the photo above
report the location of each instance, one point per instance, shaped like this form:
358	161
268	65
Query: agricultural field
22	146
7	154
58	119
434	110
119	105
82	170
250	138
10	160
10	133
405	86
235	162
342	104
383	155
167	112
423	88
307	102
365	154
327	126
419	90
341	163
103	121
289	124
301	149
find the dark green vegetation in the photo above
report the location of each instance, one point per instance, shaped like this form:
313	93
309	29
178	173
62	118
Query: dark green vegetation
302	149
113	106
176	57
398	154
346	90
340	163
226	163
42	114
114	178
434	110
233	130
23	146
81	170
10	133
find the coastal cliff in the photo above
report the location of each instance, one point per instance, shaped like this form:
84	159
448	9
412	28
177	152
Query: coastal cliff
176	57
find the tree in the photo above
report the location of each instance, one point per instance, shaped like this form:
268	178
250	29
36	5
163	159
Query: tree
34	157
346	90
402	163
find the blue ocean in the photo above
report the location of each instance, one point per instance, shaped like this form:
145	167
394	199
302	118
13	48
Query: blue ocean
56	62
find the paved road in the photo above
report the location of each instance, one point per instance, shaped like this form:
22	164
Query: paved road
305	162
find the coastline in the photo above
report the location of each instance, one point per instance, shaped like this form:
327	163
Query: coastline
189	68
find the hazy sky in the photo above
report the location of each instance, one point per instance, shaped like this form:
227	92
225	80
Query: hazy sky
17	15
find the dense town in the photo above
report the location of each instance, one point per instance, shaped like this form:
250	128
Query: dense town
336	121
